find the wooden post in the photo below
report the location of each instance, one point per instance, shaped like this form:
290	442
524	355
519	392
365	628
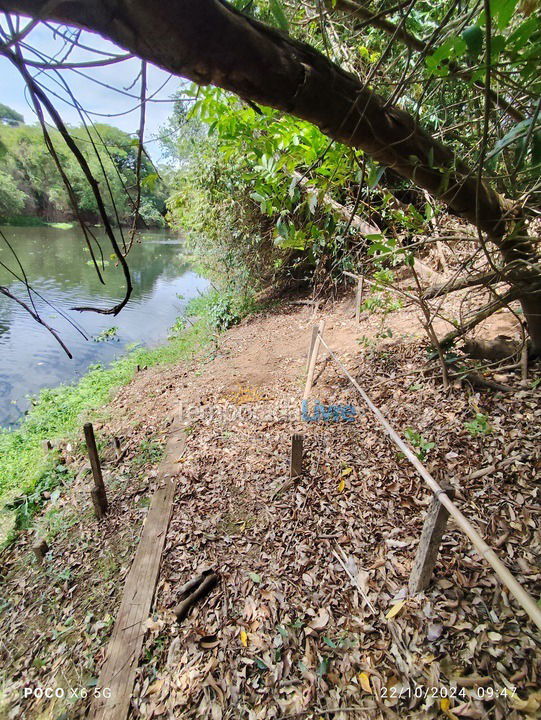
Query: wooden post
315	331
429	544
40	548
295	465
98	494
359	299
99	507
312	359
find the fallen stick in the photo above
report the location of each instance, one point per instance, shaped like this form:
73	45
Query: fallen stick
203	585
190	586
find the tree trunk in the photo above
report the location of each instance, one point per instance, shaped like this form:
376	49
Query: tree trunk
209	42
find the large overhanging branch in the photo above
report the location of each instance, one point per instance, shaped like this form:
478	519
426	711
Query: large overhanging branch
209	42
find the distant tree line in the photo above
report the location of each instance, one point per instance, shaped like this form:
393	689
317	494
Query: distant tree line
31	186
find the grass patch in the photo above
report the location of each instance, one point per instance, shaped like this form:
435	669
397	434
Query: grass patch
60	225
23	221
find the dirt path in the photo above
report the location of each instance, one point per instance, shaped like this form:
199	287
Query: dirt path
286	633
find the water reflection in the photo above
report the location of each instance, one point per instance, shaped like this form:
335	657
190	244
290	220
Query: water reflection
63	273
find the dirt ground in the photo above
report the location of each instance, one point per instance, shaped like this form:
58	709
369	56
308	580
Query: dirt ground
311	617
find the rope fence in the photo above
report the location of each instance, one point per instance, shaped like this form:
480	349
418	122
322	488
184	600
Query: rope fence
523	598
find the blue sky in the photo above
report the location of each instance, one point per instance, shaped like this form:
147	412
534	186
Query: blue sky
104	104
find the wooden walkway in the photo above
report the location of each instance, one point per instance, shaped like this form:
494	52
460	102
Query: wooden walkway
118	672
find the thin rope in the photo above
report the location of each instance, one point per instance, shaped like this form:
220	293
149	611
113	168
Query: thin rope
524	599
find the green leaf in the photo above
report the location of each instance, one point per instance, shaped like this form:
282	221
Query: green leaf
311	201
521	35
323	667
502	11
254	577
473	37
518	132
279	15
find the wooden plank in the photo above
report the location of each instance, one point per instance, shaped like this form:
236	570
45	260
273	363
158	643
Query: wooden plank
429	544
295	465
118	672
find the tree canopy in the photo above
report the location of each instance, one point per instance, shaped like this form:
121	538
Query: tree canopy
8	116
455	110
29	177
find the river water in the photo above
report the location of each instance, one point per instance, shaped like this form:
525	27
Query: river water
61	271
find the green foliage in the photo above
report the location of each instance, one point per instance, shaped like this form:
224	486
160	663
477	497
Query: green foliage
479	425
422	446
238	193
149	453
11	198
31	183
228	309
107	334
8	116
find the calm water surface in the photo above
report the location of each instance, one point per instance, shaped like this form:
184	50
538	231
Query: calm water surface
59	269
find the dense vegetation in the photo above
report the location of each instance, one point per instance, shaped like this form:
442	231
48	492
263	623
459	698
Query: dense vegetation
422	109
31	186
255	184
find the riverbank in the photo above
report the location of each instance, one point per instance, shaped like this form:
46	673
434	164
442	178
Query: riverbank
29	473
286	634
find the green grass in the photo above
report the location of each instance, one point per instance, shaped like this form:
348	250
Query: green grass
33	221
60	225
23	221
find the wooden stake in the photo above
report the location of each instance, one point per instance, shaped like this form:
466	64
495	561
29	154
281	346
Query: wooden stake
429	544
99	503
359	299
295	465
40	548
313	359
96	471
315	331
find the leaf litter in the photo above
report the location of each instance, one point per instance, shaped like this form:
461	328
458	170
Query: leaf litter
311	617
